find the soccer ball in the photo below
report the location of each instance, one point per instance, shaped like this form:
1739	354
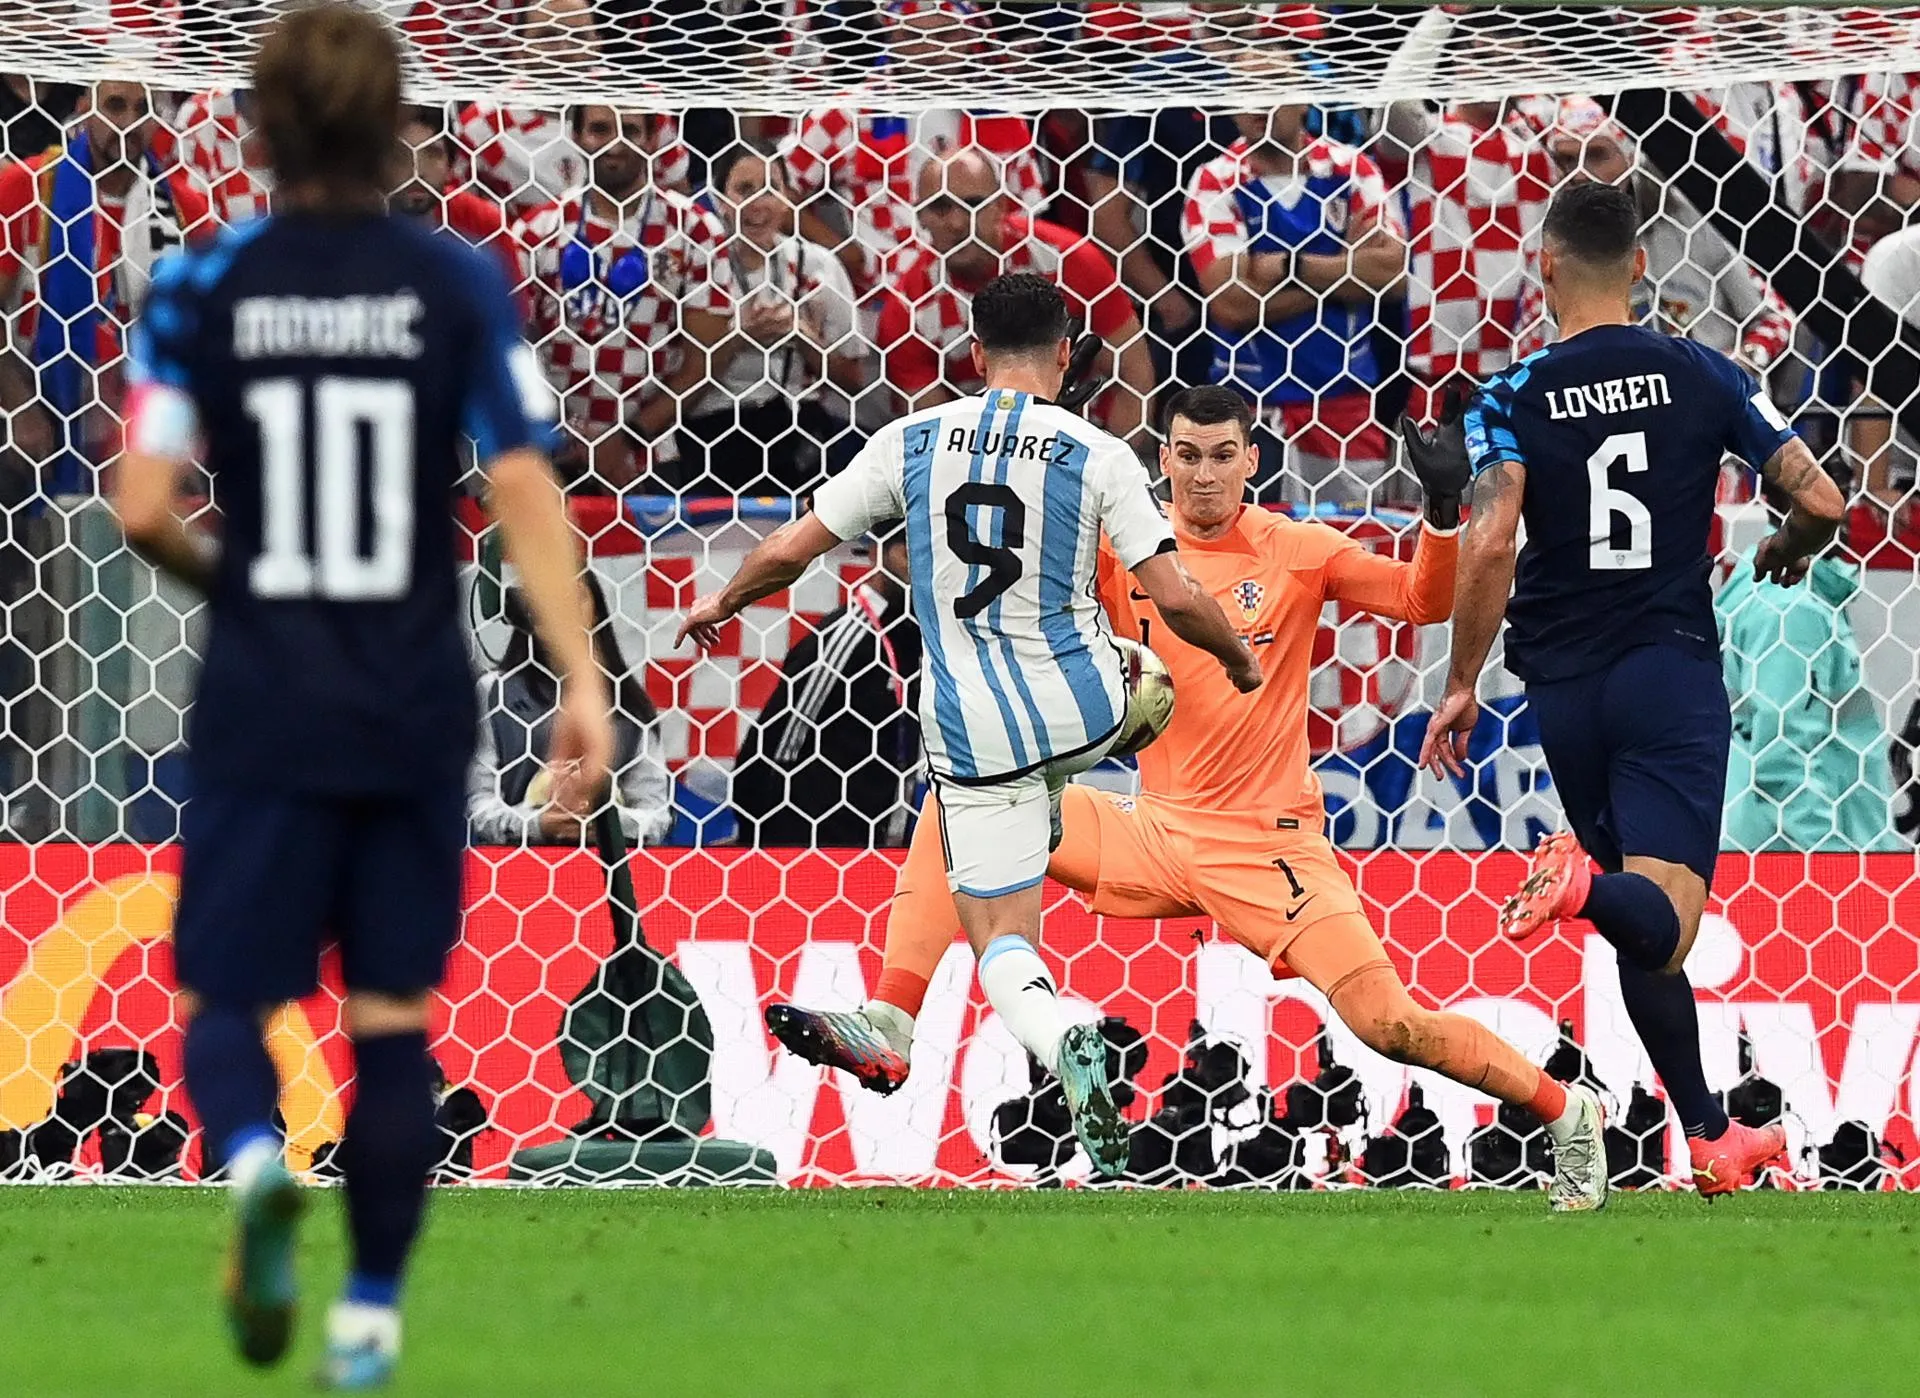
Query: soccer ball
1149	698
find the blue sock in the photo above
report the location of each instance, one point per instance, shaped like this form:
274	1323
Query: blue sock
389	1147
231	1081
1635	914
1665	1017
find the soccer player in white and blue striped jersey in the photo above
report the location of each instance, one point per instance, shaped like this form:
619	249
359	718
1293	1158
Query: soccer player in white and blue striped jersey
1005	495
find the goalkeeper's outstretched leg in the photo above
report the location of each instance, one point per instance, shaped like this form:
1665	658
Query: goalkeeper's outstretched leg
1339	954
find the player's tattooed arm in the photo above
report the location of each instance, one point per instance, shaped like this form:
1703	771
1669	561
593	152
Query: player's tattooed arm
1488	549
1817	511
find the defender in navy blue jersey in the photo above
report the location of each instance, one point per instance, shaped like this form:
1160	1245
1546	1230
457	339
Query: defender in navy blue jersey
1608	446
329	365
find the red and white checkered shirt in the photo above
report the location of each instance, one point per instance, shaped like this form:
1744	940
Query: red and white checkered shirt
1883	132
603	358
207	137
925	317
526	158
1216	226
1886	140
872	161
1478	198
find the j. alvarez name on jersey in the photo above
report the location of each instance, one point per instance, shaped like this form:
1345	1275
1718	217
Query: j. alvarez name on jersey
988	443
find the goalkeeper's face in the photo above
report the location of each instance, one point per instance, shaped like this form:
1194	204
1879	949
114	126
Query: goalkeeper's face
1208	465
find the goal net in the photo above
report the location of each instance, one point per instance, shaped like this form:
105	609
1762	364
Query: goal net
745	235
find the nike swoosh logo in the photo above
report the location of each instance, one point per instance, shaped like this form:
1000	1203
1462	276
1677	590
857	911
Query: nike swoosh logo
1137	595
1294	911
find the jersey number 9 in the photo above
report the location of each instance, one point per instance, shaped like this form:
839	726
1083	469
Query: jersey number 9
357	427
1001	561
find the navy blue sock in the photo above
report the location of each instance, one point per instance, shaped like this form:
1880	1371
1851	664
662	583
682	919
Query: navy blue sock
1668	1022
389	1148
230	1079
1635	914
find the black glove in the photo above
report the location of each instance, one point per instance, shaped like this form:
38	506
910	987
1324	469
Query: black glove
1077	387
1438	456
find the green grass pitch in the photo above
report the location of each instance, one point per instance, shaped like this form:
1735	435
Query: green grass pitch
541	1295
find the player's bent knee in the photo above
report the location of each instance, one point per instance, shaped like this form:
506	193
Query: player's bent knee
1375	1005
1685	889
1390	1035
372	1014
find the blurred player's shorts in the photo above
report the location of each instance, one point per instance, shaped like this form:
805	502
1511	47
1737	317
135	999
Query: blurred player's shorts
267	876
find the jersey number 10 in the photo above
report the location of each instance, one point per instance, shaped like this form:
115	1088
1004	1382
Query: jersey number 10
1607	500
357	427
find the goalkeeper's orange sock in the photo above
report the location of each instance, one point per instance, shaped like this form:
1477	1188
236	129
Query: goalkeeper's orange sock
921	923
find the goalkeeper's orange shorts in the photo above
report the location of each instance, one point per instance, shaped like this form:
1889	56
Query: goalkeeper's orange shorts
1263	881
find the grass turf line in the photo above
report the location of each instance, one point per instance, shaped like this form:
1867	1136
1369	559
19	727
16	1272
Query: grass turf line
111	1292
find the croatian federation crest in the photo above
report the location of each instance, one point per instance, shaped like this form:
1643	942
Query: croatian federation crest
1249	595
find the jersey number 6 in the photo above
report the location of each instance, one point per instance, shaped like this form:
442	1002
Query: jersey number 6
1607	500
1000	560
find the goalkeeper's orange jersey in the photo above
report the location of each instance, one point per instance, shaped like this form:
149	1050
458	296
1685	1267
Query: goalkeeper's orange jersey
1232	752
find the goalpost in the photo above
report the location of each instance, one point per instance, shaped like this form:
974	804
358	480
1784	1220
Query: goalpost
1776	153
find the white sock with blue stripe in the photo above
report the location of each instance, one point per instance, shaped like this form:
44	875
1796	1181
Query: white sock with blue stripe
1021	992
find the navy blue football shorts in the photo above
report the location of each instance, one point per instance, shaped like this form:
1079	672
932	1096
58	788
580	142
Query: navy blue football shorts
267	878
1638	752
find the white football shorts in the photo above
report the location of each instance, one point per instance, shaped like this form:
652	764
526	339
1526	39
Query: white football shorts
998	837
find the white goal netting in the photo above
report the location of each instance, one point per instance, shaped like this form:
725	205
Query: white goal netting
745	235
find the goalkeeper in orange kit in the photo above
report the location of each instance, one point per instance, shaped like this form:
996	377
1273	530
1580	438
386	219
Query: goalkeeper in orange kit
1229	823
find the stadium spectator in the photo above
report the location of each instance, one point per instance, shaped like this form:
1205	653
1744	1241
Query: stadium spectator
1771	124
970	235
1882	451
1477	190
632	311
1696	284
1138	167
211	139
779	414
1135	176
424	190
835	755
509	783
1808	769
1876	180
1294	245
34	114
79	277
865	166
527	156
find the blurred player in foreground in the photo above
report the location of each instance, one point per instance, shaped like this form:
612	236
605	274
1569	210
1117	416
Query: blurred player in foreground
1005	496
1608	444
1230	820
332	359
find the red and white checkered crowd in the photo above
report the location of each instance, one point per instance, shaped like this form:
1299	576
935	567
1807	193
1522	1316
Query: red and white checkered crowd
726	302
